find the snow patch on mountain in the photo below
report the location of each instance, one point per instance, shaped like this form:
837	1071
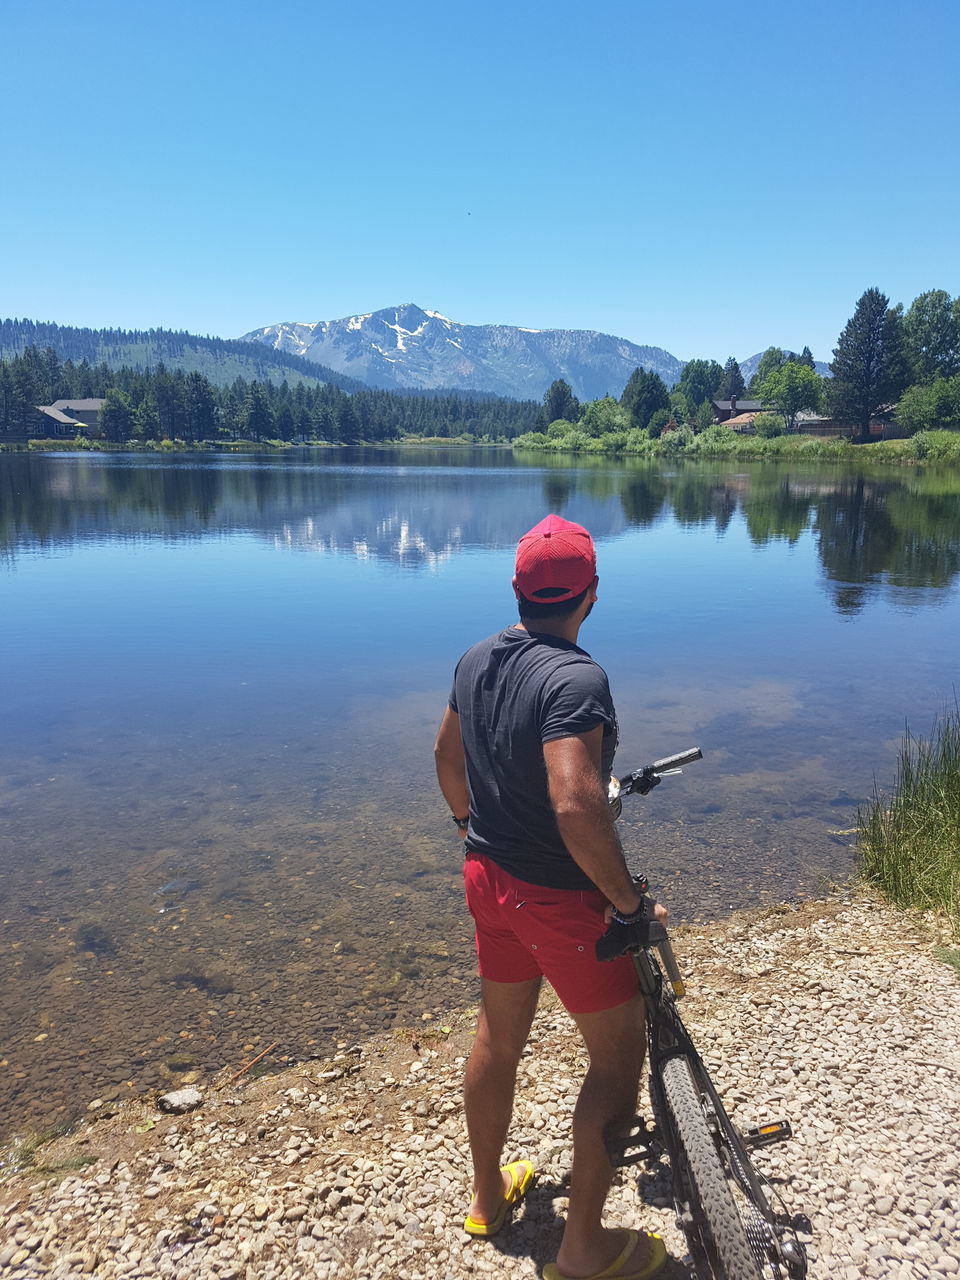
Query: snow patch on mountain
426	349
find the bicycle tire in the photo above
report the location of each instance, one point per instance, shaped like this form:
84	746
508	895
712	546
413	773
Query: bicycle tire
721	1229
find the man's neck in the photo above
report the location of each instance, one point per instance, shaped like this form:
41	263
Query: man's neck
564	628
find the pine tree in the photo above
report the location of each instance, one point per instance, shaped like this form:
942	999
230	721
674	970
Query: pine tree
26	390
699	381
931	335
257	414
6	396
146	419
868	364
200	408
643	395
348	423
116	416
559	402
733	386
286	421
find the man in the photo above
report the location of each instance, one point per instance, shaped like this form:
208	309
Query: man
523	757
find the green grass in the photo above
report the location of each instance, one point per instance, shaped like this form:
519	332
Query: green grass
910	843
721	442
22	1152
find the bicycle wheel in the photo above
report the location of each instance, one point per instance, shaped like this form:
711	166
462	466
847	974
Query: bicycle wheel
717	1224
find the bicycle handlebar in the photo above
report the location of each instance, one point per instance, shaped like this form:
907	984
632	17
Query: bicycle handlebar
677	761
643	780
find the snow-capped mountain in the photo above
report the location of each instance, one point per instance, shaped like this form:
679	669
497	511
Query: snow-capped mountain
407	347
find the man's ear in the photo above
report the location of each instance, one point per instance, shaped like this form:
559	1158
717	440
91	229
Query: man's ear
516	588
593	587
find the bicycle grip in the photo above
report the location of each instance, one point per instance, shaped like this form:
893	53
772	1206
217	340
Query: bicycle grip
677	761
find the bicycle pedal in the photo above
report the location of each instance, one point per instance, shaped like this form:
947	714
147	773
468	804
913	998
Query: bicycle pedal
762	1135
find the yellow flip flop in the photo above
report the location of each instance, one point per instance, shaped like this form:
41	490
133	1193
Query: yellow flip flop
656	1261
522	1174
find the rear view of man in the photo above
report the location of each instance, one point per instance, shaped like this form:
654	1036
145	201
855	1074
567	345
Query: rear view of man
524	754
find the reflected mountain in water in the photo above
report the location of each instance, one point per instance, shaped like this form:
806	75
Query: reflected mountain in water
394	538
896	532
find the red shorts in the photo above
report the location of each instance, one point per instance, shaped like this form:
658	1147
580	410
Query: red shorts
525	930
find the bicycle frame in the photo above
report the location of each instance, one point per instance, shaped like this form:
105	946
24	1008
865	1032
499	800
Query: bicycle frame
770	1237
667	1037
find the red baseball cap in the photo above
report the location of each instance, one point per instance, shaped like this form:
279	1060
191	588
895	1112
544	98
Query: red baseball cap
556	556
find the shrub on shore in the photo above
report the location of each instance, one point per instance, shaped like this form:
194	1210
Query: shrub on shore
910	843
720	441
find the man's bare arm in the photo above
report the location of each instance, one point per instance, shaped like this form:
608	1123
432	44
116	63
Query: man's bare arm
583	815
451	766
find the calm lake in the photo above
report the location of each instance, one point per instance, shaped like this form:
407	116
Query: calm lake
219	686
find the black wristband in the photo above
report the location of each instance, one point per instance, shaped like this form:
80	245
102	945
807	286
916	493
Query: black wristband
634	918
462	822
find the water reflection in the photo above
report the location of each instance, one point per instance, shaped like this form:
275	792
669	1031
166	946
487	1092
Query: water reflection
221	677
899	530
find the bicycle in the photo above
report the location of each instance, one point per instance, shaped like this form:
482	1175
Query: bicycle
723	1203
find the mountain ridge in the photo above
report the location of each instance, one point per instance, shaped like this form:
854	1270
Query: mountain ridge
219	359
410	347
513	361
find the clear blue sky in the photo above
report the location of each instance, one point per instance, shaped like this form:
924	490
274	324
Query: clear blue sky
706	177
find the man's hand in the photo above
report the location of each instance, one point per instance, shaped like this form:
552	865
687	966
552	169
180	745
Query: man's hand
620	938
660	912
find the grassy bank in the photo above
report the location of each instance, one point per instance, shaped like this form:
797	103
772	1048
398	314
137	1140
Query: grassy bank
910	842
715	443
80	444
721	442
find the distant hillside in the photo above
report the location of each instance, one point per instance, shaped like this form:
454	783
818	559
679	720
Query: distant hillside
218	359
407	347
750	366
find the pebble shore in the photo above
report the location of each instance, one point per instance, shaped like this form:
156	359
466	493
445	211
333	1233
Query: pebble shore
834	1014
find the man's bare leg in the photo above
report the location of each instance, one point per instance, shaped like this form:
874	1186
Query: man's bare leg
608	1099
506	1014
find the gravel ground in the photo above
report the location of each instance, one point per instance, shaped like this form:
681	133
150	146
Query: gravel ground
835	1014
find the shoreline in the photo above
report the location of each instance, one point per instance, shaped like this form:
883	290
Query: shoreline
794	449
834	1013
72	445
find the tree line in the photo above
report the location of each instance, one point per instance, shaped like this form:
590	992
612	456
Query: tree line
162	403
901	364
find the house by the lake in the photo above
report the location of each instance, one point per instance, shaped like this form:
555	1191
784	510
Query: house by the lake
724	410
66	417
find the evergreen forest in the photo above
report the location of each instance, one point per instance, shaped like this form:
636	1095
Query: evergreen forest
170	404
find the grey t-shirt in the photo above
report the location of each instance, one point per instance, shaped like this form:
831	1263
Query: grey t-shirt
513	692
